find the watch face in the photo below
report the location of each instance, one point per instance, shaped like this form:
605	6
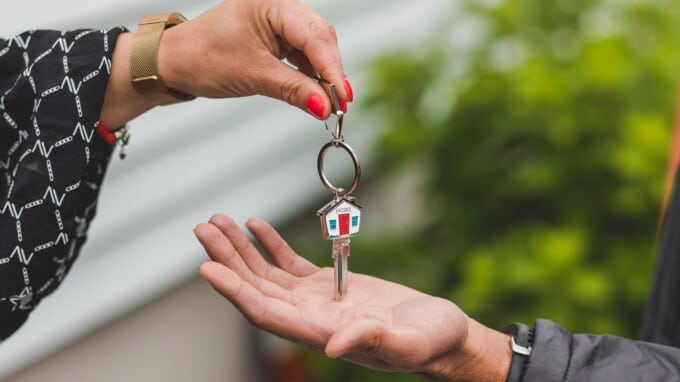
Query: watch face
521	336
512	329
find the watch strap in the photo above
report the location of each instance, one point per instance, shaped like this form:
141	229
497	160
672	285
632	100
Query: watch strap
144	59
521	342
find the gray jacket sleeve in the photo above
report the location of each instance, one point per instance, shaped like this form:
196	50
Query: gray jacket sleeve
559	356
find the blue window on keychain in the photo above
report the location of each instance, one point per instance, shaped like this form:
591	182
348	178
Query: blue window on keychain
333	224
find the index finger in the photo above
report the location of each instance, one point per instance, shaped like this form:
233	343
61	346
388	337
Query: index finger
269	313
305	30
280	252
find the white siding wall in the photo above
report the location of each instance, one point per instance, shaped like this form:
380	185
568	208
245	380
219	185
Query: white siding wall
246	157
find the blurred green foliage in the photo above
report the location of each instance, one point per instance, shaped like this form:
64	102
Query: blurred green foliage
544	137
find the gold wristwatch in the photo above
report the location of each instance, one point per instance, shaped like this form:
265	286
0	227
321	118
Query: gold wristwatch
144	59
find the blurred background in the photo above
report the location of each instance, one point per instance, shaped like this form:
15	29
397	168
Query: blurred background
514	154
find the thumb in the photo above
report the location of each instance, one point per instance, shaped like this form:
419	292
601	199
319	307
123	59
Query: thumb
281	81
364	336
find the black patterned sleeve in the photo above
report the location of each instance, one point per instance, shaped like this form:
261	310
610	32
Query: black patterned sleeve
52	160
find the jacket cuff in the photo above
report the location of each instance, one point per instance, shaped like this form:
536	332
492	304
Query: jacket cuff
550	353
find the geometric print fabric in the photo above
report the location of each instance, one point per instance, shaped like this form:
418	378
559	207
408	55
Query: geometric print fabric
52	161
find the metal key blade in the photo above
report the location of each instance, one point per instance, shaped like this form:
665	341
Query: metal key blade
340	255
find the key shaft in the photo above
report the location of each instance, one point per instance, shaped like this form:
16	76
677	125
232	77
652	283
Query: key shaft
340	254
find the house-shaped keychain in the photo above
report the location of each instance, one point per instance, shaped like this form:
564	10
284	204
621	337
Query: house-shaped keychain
340	218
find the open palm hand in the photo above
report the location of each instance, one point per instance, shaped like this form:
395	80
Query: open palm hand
378	324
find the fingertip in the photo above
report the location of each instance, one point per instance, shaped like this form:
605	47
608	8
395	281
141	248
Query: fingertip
256	223
343	88
213	272
223	279
363	335
201	230
219	219
227	225
343	339
333	349
253	220
349	92
205	269
317	106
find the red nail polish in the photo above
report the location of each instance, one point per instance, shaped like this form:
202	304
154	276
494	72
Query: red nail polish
348	89
316	105
343	106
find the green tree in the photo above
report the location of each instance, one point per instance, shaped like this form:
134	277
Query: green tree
545	146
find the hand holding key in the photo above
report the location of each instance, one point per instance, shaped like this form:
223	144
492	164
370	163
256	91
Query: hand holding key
382	325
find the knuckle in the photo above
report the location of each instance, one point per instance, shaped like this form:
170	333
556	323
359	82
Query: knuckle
291	91
319	32
330	30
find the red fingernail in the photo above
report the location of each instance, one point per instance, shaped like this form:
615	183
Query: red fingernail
316	105
348	89
343	106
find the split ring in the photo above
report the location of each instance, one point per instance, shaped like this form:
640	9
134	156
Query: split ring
339	192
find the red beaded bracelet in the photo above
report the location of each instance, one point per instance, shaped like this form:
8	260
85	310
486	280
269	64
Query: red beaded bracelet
111	137
108	136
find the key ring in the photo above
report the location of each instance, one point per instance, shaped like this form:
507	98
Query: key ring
337	141
339	192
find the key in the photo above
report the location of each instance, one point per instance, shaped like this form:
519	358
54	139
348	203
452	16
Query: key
340	220
340	254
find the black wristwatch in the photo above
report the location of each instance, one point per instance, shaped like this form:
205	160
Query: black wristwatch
521	342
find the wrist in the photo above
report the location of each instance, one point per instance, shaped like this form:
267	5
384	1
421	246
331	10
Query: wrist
521	343
144	57
484	356
172	53
121	102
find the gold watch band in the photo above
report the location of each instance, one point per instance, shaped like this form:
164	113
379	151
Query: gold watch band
144	59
